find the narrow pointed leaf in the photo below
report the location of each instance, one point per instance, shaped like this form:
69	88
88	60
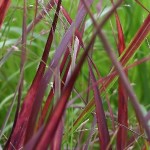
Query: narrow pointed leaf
18	135
53	64
4	5
100	115
57	114
141	34
122	98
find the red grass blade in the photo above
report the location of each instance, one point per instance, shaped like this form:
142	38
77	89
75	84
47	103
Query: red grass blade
124	79
141	34
51	94
90	105
59	133
60	107
4	5
122	98
19	133
100	115
47	48
133	46
122	117
56	118
57	140
77	33
46	78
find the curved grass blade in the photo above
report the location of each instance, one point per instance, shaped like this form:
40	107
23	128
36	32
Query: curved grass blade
50	129
90	106
135	43
141	34
51	94
4	5
46	78
19	133
61	105
122	98
100	115
123	77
